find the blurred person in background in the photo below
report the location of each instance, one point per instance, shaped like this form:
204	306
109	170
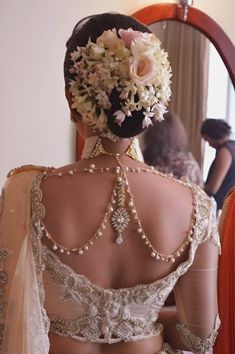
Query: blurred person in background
221	175
165	147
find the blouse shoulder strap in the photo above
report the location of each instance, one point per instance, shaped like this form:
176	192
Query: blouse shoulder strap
26	168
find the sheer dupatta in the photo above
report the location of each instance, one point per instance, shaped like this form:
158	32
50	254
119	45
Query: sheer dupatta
225	342
24	324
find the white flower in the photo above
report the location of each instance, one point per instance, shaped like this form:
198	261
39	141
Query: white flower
107	38
147	121
96	51
103	100
143	69
76	54
158	110
119	117
127	111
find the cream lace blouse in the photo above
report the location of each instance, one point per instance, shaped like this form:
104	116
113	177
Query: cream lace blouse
44	294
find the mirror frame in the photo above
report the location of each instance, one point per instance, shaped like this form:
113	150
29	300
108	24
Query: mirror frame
197	19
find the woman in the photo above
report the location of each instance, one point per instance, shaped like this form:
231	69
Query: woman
165	147
87	252
221	175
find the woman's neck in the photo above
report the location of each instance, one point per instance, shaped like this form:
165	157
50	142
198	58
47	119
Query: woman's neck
118	147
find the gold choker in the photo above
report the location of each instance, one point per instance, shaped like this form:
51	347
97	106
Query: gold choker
94	148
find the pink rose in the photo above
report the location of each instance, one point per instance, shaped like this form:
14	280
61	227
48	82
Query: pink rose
129	36
143	69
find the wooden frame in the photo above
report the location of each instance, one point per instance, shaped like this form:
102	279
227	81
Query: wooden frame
197	19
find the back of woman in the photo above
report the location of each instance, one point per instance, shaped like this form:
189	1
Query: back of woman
92	250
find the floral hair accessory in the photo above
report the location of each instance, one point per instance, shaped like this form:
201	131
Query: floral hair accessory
129	61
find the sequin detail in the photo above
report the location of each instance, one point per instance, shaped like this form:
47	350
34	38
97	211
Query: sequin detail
195	343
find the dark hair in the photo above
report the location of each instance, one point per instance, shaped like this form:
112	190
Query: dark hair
92	27
215	128
163	137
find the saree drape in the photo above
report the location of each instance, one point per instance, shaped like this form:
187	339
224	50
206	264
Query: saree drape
225	342
21	297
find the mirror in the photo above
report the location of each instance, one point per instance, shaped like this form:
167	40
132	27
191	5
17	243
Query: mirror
193	45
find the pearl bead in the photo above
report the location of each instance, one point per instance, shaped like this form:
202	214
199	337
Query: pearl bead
80	252
157	257
143	237
61	250
54	247
139	230
133	211
70	172
68	253
59	174
119	179
86	248
153	254
90	170
100	233
92	166
117	169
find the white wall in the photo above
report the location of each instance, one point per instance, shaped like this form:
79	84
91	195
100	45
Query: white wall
35	125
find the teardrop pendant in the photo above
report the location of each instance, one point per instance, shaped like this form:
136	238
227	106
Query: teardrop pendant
119	239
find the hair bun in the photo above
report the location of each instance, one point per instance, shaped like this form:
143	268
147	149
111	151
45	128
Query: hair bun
131	126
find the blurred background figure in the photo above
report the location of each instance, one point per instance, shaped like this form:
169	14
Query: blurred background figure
221	175
165	147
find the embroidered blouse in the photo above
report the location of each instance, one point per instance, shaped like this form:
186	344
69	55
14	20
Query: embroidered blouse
72	306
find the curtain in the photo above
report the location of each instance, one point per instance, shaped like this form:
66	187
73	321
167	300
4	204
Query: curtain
188	51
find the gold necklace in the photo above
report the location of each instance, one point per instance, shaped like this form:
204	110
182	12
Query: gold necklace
120	211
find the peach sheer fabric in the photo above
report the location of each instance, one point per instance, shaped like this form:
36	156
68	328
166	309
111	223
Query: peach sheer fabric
225	342
25	313
21	293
